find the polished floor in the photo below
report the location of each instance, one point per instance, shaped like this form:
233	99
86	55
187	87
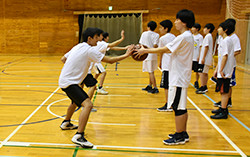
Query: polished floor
126	122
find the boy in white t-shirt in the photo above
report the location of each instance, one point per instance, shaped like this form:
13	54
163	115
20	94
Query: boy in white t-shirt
206	57
104	46
237	51
224	68
198	39
167	37
150	39
74	73
181	49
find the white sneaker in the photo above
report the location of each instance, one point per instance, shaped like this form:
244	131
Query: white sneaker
102	91
68	126
80	140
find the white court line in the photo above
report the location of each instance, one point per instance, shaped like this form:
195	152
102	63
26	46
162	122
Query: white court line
98	123
118	147
218	129
14	132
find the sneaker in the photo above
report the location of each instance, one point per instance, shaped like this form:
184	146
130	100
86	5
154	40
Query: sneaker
153	91
213	79
220	115
219	110
196	85
217	104
80	140
147	88
66	125
185	135
201	90
165	108
102	91
177	138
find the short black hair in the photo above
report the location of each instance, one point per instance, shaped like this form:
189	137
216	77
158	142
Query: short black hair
197	26
105	35
210	26
99	31
152	25
186	16
89	32
229	26
167	24
231	20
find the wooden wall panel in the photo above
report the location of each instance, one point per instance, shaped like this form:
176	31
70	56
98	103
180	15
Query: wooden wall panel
49	26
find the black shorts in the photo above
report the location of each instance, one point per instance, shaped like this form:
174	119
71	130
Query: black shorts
76	94
195	66
89	81
200	68
222	85
164	80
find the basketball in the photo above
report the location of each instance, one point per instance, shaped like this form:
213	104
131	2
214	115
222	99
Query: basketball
138	58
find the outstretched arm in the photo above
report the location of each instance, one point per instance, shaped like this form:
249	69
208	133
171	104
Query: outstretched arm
112	60
117	42
159	50
119	48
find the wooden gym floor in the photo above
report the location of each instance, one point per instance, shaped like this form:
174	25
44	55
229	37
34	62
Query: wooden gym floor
126	123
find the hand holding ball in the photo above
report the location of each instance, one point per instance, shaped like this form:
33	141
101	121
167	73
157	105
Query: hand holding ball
136	57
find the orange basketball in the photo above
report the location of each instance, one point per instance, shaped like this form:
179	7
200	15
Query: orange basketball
138	58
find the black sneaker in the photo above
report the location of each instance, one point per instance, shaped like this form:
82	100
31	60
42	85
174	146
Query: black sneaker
202	90
147	88
196	85
177	138
153	91
165	108
79	139
213	79
185	135
66	125
220	115
219	110
217	104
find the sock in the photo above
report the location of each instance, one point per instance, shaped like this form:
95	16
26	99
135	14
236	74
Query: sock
82	133
66	121
229	101
100	87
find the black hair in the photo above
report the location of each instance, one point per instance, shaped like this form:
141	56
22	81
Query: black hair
152	25
186	16
197	26
229	26
99	31
105	35
89	32
231	20
210	26
167	24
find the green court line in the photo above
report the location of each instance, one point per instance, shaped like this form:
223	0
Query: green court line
126	151
75	152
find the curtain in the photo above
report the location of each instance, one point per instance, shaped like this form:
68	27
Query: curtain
114	24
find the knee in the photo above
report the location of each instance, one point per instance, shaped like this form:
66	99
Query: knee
87	103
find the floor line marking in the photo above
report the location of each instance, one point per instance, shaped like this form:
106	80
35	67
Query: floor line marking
10	143
14	132
218	129
98	123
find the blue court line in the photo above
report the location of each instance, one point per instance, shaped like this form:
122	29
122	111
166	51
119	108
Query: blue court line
229	113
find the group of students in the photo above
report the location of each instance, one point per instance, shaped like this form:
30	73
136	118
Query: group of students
177	54
202	59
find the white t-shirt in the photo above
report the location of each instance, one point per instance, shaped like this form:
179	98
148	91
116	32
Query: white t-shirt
198	39
182	48
226	47
208	41
163	41
77	64
101	46
236	42
149	39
